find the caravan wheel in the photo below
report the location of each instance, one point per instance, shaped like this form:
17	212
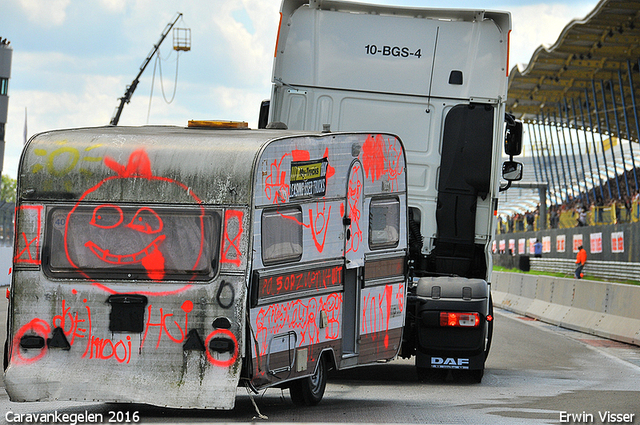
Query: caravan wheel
309	391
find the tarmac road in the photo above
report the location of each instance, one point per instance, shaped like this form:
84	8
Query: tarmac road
536	374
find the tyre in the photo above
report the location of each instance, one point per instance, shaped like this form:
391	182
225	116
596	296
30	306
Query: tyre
308	391
427	374
476	375
490	329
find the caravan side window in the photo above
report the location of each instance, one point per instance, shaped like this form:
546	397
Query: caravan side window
384	223
281	235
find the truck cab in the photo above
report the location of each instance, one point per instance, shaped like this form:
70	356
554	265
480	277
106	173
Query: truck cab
438	79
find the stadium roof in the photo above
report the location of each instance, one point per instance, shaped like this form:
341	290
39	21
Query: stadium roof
597	53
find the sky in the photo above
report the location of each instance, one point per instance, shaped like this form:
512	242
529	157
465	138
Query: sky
72	59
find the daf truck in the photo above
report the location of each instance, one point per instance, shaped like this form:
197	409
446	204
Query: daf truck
437	78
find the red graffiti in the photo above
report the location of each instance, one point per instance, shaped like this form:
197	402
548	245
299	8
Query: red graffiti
77	328
330	170
28	250
276	188
388	290
104	348
376	311
227	242
234	356
300	155
69	322
138	165
400	297
373	156
164	329
319	224
302	317
309	280
394	162
354	202
36	326
145	221
382	156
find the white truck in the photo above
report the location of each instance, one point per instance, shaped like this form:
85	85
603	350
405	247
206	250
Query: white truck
438	79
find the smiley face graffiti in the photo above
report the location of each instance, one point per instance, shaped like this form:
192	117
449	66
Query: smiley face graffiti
120	240
146	221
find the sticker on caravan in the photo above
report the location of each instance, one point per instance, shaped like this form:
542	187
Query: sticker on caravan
308	178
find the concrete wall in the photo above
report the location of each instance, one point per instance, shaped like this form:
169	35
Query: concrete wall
609	310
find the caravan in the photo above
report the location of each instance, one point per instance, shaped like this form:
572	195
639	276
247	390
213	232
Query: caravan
169	266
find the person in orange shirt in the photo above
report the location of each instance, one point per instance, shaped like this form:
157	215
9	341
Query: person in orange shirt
581	259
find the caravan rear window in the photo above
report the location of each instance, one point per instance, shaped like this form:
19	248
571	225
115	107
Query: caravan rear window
281	235
132	242
384	223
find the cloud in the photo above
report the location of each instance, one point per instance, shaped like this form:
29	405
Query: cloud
251	48
114	5
47	13
48	110
550	19
225	76
239	104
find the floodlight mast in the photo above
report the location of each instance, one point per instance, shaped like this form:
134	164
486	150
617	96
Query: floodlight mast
132	87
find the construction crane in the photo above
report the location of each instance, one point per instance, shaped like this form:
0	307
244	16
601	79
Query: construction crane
183	43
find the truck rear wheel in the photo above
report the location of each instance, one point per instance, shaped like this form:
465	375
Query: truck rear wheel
309	391
489	329
477	375
427	374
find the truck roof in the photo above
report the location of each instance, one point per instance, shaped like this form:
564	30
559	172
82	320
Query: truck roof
440	53
420	12
216	165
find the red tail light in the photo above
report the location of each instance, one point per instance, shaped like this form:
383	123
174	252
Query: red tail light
463	320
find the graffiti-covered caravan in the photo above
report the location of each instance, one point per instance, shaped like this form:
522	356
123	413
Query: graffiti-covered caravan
167	265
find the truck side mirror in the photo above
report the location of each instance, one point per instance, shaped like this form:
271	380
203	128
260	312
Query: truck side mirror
512	171
513	137
263	118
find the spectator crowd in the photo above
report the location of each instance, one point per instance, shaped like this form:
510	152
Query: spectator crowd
576	211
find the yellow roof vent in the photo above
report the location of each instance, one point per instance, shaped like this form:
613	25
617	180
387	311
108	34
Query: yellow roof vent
217	124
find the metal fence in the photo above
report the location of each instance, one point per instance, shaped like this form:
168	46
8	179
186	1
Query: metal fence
7	213
566	219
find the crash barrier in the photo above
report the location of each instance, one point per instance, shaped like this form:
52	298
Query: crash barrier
608	310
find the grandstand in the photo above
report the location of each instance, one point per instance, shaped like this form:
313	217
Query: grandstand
578	100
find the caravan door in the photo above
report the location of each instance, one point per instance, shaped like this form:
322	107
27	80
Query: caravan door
354	258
